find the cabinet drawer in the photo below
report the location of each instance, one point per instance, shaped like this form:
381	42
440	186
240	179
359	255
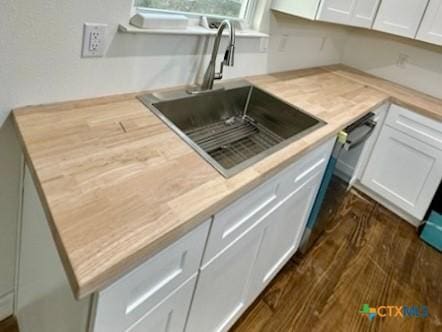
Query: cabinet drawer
315	161
130	298
415	125
233	221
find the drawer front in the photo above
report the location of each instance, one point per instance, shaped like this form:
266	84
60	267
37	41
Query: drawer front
300	172
233	221
238	218
130	298
415	125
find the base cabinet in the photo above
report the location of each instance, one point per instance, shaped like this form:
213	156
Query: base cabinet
283	232
222	290
186	286
170	314
232	279
405	167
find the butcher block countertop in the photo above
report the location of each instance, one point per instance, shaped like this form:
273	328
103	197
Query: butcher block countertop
118	185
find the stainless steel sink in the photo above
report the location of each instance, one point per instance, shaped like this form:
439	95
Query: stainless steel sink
233	126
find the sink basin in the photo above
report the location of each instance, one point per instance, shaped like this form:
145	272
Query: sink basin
233	126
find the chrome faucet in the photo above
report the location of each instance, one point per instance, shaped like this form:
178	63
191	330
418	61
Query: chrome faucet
228	60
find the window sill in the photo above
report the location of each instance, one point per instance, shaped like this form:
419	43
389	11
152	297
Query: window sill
189	31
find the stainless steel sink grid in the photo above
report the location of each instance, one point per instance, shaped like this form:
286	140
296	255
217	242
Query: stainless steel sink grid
233	126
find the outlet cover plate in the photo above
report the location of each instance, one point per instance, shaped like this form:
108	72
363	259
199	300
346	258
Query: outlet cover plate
94	39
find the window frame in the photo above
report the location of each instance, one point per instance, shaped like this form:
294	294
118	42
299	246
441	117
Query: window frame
247	17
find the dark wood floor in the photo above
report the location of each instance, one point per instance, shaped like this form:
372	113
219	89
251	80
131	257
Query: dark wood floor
366	255
8	325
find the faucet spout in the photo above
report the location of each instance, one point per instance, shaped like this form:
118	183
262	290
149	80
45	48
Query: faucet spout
229	56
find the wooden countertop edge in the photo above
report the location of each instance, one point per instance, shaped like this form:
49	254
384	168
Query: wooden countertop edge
105	278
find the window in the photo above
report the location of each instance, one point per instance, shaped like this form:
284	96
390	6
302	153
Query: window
225	8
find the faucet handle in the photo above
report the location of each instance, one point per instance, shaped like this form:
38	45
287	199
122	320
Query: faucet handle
229	56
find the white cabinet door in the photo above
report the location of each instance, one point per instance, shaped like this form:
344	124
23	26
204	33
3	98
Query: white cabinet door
359	13
400	17
222	289
431	26
404	170
364	13
170	315
336	11
283	232
302	8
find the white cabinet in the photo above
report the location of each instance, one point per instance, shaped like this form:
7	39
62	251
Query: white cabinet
431	26
250	241
359	13
336	11
302	8
400	17
177	289
44	299
222	290
132	298
364	13
405	167
170	314
351	12
283	232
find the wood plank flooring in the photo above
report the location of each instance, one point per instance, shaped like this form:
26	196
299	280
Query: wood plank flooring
366	255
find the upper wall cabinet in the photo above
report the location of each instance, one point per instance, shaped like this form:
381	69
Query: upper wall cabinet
359	13
302	8
431	26
400	17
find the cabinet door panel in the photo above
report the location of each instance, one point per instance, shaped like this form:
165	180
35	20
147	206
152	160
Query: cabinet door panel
131	297
302	8
337	11
283	232
404	171
221	292
364	13
431	26
400	17
170	315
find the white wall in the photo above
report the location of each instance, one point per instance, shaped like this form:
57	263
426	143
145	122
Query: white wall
377	53
299	43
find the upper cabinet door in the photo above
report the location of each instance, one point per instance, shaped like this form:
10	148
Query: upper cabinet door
364	13
359	13
400	17
302	8
336	11
431	26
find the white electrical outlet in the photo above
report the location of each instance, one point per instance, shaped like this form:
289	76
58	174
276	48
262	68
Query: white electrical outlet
94	39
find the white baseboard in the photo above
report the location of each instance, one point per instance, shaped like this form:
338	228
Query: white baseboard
6	305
